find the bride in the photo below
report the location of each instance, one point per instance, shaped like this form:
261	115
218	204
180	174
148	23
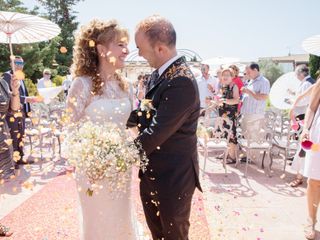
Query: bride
100	94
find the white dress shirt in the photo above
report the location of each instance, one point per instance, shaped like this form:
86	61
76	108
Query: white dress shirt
302	105
204	91
167	64
44	83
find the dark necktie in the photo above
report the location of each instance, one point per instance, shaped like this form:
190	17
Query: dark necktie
24	94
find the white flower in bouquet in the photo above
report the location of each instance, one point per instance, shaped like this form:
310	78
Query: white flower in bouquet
146	105
102	151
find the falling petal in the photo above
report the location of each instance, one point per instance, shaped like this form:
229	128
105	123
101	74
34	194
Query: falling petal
92	43
63	50
19	75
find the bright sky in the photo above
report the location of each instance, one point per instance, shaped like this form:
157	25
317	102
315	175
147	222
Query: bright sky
246	29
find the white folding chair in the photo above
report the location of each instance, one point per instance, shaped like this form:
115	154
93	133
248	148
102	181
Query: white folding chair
257	141
216	139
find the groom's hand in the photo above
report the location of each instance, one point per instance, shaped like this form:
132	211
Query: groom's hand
132	120
140	119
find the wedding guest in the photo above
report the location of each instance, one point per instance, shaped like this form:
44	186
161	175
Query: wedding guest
218	83
17	127
45	81
246	78
66	84
148	82
206	85
9	104
147	77
297	113
302	73
255	95
140	79
311	131
141	88
230	100
237	80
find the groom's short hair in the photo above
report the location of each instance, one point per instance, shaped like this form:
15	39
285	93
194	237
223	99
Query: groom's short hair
158	29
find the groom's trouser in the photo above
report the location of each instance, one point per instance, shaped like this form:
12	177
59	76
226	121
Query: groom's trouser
167	215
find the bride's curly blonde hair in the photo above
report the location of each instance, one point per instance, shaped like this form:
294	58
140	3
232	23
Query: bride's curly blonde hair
85	54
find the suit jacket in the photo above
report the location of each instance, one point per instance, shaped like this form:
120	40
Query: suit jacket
170	140
7	77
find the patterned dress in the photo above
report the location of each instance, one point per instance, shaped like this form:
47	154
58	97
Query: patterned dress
231	111
6	162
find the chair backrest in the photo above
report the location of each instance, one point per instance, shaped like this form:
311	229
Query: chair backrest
271	118
259	133
210	114
35	118
221	130
293	142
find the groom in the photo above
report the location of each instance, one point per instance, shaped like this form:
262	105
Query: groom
168	136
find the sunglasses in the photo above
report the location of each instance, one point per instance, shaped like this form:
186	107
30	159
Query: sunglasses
47	73
19	63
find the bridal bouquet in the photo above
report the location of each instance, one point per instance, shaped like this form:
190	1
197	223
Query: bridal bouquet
102	151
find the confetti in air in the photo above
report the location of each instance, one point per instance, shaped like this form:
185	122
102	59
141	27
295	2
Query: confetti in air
19	75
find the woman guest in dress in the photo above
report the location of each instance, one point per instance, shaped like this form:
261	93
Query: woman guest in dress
9	105
311	132
237	80
229	108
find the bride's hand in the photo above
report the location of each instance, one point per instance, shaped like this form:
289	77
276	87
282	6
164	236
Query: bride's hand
304	135
134	132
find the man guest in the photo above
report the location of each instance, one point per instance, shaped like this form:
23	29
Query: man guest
17	124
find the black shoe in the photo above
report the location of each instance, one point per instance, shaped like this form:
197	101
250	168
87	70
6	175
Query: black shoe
20	162
231	160
221	156
243	159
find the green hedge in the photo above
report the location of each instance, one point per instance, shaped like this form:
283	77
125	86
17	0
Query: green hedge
32	87
58	79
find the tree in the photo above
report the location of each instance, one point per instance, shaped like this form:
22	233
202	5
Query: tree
314	64
42	55
12	6
270	70
37	56
60	12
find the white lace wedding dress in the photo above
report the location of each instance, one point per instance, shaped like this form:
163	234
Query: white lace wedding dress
107	215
